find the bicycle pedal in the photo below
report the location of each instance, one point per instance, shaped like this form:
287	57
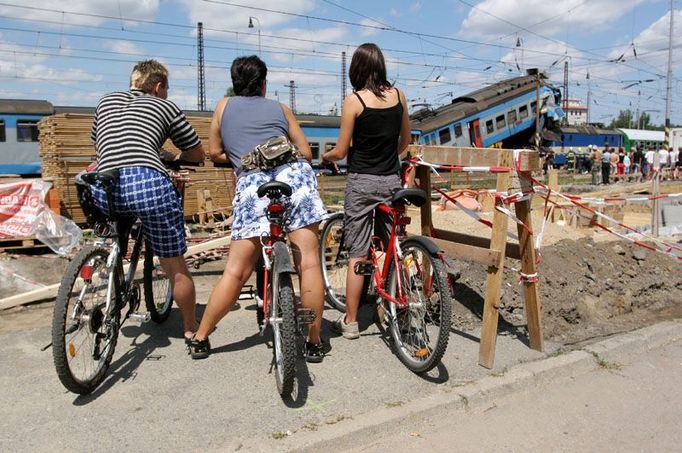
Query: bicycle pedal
139	317
306	315
363	268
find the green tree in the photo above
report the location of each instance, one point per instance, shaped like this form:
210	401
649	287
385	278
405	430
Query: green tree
625	119
230	92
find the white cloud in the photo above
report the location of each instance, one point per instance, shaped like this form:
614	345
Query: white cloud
543	17
416	6
125	47
46	10
217	16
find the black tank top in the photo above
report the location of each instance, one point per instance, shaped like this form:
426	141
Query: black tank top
375	140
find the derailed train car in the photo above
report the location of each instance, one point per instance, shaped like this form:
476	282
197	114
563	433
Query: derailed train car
502	114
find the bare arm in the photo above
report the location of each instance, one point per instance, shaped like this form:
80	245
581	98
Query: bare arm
216	151
405	127
351	109
296	134
195	154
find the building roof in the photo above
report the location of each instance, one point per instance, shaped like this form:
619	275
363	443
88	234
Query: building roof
644	135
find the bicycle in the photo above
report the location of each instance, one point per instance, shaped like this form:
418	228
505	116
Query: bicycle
96	288
279	311
412	286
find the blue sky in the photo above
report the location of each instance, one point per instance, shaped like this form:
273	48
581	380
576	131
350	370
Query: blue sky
72	52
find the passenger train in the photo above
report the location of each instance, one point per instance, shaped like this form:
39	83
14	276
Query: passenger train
502	115
19	133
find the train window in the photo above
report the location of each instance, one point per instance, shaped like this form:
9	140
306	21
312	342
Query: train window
3	137
27	131
489	126
523	111
444	136
458	130
511	117
532	106
499	122
315	149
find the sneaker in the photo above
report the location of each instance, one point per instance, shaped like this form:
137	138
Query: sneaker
349	331
198	349
313	353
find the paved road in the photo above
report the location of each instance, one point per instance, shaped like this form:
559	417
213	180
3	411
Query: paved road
618	407
156	398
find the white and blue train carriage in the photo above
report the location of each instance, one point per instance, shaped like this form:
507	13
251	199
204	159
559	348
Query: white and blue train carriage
502	114
19	135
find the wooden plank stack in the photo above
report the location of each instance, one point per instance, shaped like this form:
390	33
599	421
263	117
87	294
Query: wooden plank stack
65	150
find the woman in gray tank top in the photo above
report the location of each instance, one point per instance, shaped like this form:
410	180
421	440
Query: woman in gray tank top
239	124
375	117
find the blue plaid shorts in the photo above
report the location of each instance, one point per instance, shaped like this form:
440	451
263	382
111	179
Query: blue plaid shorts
305	204
149	195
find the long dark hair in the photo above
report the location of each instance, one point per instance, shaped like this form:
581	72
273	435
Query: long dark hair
248	75
368	70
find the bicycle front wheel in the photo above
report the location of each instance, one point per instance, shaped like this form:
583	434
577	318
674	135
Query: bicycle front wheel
158	292
83	334
334	259
421	329
283	322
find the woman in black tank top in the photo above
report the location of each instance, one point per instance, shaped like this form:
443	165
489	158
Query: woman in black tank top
375	118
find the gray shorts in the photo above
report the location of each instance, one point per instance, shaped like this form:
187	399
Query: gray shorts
363	194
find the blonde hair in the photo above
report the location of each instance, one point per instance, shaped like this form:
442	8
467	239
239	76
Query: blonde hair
146	74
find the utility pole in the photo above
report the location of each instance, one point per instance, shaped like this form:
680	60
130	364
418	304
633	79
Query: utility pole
588	96
565	120
201	97
343	76
669	86
292	95
536	73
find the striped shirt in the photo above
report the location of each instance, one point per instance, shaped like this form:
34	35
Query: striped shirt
130	127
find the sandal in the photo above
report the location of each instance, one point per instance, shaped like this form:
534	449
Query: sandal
198	349
314	353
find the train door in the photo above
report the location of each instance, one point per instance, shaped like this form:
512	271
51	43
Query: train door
475	134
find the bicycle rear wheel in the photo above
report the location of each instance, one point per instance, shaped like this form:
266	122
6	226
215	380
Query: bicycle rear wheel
158	292
83	334
281	311
420	330
334	259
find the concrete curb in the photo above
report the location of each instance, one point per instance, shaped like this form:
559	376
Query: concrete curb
350	433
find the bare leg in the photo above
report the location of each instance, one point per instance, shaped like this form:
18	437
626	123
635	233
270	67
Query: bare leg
184	293
240	262
305	247
354	284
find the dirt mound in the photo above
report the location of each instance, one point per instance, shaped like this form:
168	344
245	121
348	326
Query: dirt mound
587	289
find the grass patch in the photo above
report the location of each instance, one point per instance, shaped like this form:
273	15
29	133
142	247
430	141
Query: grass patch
394	404
605	364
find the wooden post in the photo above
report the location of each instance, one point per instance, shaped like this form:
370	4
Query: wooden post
209	208
201	206
493	285
527	249
424	176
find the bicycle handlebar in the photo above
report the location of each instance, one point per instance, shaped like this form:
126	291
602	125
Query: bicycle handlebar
180	164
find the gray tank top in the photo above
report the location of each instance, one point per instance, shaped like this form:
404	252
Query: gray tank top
249	121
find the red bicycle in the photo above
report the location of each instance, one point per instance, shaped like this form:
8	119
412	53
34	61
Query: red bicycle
408	276
279	312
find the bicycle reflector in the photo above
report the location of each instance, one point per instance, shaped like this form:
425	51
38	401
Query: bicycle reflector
86	272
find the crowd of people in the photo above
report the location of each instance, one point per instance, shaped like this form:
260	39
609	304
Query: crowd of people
131	126
608	165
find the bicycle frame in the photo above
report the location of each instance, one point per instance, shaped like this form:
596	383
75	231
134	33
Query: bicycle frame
393	254
277	215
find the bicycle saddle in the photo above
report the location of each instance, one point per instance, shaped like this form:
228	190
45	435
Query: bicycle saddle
274	189
106	178
417	197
